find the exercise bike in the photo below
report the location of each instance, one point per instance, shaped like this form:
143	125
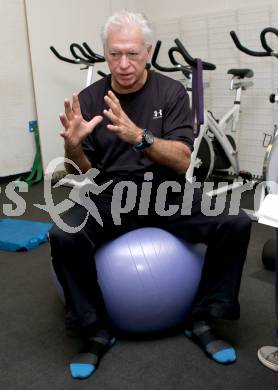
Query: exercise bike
215	152
270	164
81	55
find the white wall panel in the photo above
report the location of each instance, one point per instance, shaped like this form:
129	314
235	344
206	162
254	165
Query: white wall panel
17	146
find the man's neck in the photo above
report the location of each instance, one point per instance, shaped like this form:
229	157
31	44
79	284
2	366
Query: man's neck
129	89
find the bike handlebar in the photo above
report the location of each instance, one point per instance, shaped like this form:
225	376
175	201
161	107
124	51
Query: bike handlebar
174	61
268	50
245	49
87	57
76	46
189	59
159	67
62	58
97	57
177	67
263	39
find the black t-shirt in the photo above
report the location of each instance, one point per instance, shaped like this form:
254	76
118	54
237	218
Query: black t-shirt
161	106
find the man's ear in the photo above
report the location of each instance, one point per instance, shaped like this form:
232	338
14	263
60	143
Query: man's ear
149	51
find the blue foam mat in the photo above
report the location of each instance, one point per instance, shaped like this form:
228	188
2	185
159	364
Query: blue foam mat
19	234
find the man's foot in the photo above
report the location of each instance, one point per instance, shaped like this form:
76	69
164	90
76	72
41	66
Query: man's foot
87	360
217	349
268	356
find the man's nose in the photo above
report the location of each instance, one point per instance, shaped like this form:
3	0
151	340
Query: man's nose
124	61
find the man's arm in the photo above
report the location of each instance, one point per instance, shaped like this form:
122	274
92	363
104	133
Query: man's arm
79	158
172	154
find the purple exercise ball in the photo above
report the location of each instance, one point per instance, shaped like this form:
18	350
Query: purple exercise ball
148	278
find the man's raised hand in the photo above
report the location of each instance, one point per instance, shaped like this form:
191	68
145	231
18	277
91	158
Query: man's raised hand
121	125
76	128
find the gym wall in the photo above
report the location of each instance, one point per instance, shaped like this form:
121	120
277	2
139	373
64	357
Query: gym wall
17	146
156	10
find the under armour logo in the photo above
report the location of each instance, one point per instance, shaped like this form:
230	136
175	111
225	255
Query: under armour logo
157	114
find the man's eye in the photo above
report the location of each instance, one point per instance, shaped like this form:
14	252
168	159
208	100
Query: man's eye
115	55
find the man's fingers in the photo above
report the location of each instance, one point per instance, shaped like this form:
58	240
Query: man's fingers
95	121
75	104
110	103
113	97
112	117
113	104
115	129
63	134
64	120
68	109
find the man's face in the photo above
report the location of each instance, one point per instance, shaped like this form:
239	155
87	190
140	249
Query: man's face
127	56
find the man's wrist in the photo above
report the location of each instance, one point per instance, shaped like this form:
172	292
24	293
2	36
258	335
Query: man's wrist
139	138
73	151
146	141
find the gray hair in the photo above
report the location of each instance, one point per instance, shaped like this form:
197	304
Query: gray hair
125	18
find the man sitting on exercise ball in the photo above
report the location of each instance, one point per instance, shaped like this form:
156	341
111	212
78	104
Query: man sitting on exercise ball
131	122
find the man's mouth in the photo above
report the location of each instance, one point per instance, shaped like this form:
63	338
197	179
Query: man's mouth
125	76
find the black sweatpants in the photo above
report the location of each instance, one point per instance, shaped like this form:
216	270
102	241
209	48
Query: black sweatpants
226	236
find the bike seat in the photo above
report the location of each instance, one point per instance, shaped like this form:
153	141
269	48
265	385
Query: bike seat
241	73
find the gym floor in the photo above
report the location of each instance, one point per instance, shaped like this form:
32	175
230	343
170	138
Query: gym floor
35	347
